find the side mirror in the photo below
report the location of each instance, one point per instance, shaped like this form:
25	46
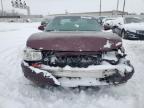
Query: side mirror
41	27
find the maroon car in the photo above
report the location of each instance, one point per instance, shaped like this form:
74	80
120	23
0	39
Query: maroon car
73	51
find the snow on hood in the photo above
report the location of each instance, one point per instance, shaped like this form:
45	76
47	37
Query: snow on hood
134	26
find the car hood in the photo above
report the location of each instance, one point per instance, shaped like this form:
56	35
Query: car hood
134	26
74	41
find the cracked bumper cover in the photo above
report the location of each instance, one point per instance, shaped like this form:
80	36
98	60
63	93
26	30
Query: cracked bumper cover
76	77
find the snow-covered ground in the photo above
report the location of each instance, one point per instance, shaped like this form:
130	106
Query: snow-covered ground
17	92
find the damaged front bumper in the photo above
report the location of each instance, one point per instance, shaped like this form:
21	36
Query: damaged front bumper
105	74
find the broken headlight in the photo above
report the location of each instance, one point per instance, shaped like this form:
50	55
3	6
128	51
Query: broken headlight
32	55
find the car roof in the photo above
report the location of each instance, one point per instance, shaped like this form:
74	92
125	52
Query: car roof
75	16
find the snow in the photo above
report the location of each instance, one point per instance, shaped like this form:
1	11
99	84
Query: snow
133	27
119	43
110	56
18	92
104	66
93	71
46	74
108	44
83	82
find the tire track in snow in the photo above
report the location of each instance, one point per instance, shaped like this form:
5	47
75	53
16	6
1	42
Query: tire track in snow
11	53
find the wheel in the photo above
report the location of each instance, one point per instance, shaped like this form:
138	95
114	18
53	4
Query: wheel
123	34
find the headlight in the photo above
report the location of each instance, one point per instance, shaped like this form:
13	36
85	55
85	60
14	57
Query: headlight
140	32
32	55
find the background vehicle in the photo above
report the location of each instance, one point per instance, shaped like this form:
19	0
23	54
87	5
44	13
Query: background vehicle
108	23
44	22
73	51
100	19
129	27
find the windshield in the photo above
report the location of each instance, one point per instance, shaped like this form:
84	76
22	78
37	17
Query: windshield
133	20
73	23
